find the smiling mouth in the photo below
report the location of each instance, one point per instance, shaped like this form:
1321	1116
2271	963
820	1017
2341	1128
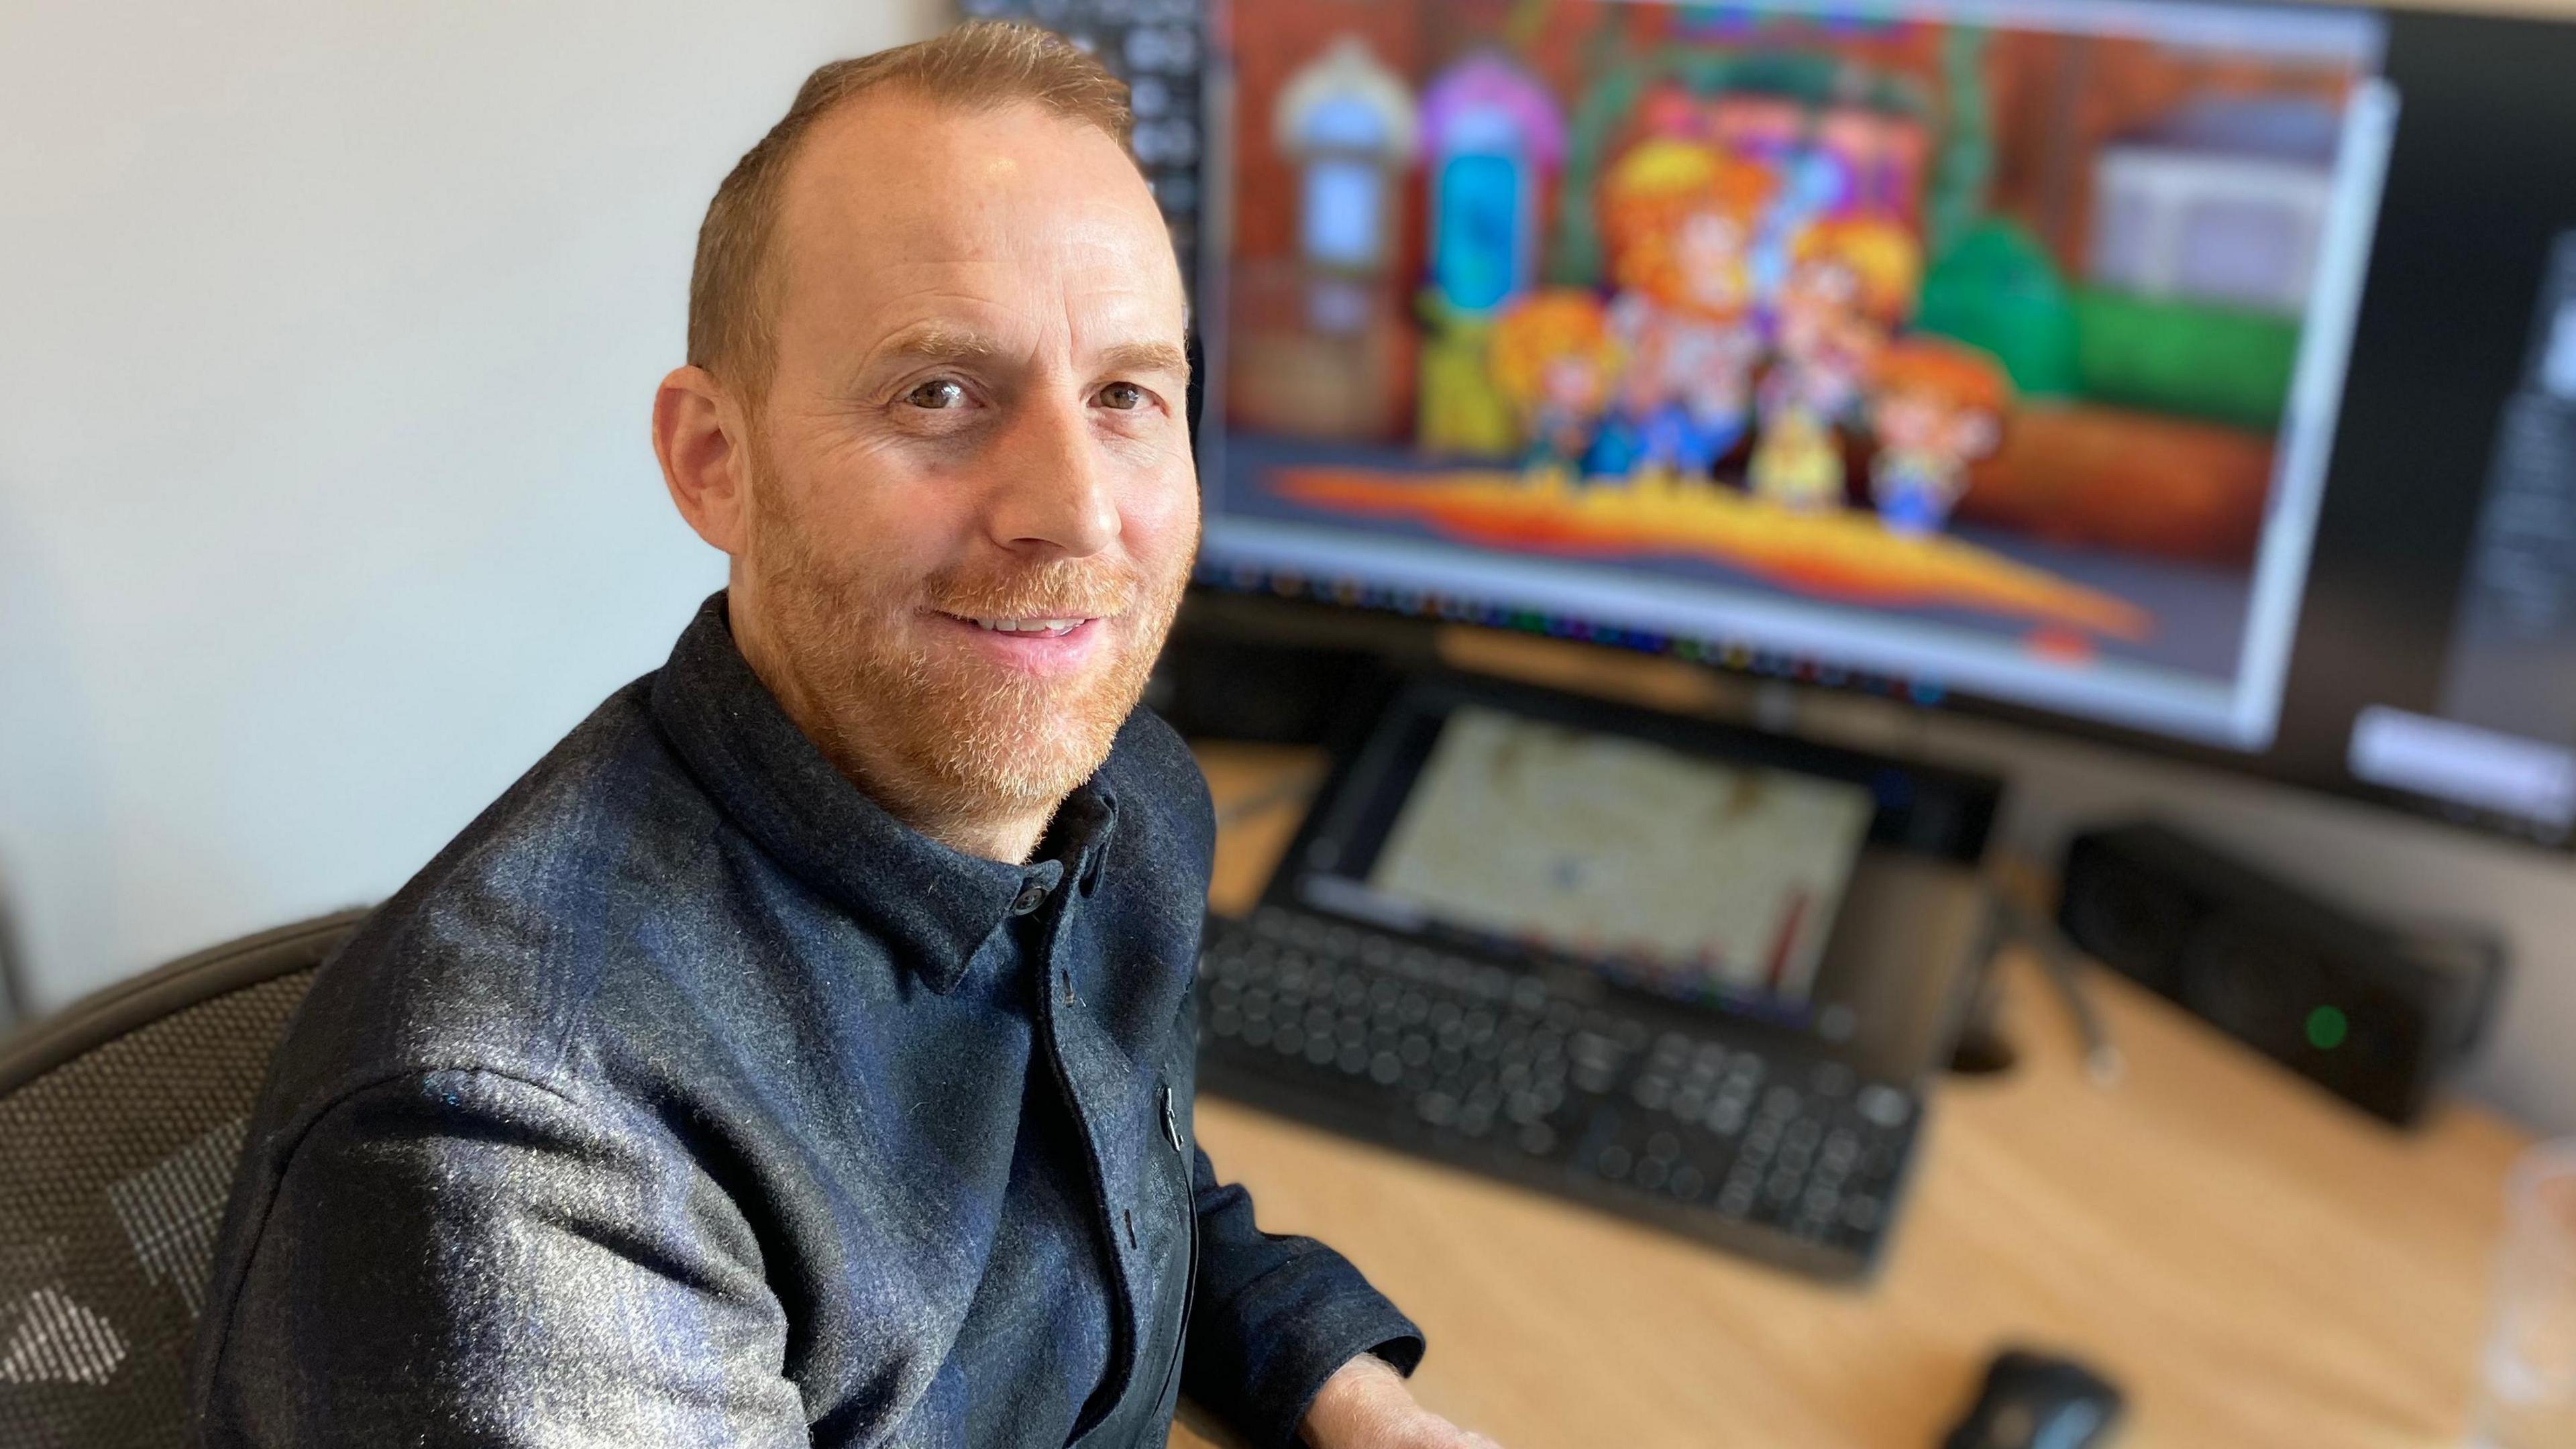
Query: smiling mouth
1045	628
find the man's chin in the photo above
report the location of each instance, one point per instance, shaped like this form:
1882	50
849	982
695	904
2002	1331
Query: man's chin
1024	742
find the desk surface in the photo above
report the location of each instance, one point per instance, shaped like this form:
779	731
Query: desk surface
2254	1263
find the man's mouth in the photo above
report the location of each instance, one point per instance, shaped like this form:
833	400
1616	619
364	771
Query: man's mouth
1051	628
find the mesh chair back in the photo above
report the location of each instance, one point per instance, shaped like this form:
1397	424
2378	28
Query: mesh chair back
120	1121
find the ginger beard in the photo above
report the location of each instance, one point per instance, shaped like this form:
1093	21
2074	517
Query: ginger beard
968	737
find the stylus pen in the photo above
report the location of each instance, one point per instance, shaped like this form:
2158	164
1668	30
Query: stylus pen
2102	1059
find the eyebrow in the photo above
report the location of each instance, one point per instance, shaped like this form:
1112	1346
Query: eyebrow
936	341
1145	357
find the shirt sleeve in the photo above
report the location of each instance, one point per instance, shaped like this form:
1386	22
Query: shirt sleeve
467	1258
1275	1316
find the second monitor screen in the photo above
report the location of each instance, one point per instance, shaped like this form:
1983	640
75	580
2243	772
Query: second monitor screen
2001	346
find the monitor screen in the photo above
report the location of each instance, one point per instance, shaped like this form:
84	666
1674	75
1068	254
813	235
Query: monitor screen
1689	869
2000	349
1699	319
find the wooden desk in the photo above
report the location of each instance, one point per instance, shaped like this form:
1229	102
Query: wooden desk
2254	1263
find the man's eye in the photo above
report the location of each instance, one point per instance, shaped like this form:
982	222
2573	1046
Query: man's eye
939	392
1124	396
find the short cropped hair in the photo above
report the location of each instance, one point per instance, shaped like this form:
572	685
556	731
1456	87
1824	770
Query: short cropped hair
979	66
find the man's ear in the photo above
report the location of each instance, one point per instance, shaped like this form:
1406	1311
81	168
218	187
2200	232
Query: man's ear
699	434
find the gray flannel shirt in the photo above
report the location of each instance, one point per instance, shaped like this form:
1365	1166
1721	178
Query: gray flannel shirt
688	1098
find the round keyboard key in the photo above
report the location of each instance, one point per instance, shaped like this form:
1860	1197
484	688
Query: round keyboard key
1386	1067
1613	1162
1885	1106
1537	1139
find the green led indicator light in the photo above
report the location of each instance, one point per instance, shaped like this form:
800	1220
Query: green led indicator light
2327	1027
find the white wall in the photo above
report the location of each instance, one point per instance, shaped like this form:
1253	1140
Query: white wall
327	337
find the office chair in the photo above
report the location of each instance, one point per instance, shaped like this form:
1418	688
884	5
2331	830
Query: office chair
120	1120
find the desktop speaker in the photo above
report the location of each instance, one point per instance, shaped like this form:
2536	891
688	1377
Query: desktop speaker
2375	1015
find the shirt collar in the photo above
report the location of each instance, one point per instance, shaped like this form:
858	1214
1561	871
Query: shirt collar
932	905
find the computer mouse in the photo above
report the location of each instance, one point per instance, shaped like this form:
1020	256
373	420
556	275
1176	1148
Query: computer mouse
2033	1401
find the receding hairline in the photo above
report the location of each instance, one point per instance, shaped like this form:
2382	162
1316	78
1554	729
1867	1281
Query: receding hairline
982	67
855	121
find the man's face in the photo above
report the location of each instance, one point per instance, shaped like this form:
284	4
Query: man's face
972	507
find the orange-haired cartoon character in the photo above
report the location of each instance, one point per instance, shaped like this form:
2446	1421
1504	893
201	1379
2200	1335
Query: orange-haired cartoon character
1553	356
1680	221
1850	280
1936	406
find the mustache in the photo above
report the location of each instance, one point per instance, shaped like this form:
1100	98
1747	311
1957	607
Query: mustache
1056	589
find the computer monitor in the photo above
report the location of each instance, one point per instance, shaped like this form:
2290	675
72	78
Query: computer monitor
2199	374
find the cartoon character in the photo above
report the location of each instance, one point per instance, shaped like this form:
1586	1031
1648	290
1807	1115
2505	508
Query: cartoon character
1680	220
1850	280
1936	406
1797	463
1554	356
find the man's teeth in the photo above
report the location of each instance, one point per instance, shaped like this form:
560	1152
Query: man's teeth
1028	626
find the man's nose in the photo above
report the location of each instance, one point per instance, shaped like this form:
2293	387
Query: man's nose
1051	487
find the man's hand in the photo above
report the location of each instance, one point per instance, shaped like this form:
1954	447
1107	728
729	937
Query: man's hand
1367	1405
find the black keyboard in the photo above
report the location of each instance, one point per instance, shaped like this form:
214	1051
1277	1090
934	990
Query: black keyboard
1665	1117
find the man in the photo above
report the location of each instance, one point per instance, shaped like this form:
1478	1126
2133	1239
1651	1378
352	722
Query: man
802	1051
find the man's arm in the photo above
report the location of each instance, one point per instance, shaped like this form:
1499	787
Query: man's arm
467	1258
1290	1344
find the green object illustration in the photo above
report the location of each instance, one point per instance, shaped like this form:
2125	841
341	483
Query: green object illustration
1995	288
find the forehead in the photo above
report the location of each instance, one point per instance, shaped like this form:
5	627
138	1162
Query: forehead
899	210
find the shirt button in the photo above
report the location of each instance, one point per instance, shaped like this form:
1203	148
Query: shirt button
1031	896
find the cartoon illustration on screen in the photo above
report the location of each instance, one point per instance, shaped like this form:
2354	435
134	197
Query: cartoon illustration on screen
1555	361
1850	280
1680	220
1935	407
1860	308
1493	139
